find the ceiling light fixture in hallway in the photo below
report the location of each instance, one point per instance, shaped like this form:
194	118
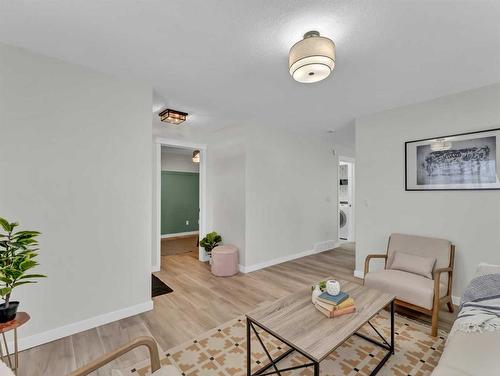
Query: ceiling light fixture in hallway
172	116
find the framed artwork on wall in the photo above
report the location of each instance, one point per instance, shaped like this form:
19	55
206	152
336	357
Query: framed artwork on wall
466	161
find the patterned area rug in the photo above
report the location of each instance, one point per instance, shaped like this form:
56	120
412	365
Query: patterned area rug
222	352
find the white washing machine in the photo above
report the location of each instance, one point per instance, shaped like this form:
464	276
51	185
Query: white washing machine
345	216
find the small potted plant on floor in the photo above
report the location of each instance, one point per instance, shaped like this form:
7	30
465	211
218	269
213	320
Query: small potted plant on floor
17	257
210	241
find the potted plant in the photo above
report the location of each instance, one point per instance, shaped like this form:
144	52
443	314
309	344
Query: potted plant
17	257
210	241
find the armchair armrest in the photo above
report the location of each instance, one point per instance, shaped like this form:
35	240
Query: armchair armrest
372	256
437	277
437	281
437	272
106	358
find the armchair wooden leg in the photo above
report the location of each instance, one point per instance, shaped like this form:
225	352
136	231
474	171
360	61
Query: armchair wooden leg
435	320
450	307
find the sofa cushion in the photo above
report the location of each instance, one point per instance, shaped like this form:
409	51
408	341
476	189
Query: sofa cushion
421	246
470	354
414	264
408	287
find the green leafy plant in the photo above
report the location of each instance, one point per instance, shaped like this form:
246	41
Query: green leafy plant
210	241
18	251
322	286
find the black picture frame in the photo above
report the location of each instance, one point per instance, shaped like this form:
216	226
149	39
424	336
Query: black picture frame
407	143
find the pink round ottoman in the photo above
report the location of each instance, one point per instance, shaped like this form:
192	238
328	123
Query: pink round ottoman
225	260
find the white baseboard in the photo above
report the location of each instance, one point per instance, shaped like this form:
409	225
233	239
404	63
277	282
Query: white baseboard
319	247
360	274
326	245
80	326
166	236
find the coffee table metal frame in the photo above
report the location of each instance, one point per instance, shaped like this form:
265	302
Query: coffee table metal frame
273	363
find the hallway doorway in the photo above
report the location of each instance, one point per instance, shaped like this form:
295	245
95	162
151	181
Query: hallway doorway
346	200
179	200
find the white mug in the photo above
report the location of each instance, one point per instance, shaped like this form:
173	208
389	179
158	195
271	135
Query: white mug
333	287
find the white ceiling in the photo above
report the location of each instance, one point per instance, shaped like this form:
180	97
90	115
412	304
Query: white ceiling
225	62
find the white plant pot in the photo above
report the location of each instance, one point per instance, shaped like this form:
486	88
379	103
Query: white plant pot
316	292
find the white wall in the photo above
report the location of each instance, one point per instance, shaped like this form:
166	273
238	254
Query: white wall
470	219
221	190
227	168
343	150
88	192
291	195
270	192
171	160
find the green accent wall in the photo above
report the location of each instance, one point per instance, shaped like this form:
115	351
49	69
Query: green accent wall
180	195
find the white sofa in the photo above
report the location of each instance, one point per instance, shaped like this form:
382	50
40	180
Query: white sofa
471	354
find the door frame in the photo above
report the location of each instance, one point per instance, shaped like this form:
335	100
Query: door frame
352	182
158	143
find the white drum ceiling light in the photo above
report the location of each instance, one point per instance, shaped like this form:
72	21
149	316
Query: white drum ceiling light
312	59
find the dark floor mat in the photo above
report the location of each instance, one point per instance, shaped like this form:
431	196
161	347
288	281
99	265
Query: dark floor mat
158	287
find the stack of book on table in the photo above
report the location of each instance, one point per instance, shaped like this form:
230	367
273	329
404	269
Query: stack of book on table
335	305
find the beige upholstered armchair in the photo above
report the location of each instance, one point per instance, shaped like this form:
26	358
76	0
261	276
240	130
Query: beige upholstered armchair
418	270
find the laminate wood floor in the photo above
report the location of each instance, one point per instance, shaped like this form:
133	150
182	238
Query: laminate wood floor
199	302
178	245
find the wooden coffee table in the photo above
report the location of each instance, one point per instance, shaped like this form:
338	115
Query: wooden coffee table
296	322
